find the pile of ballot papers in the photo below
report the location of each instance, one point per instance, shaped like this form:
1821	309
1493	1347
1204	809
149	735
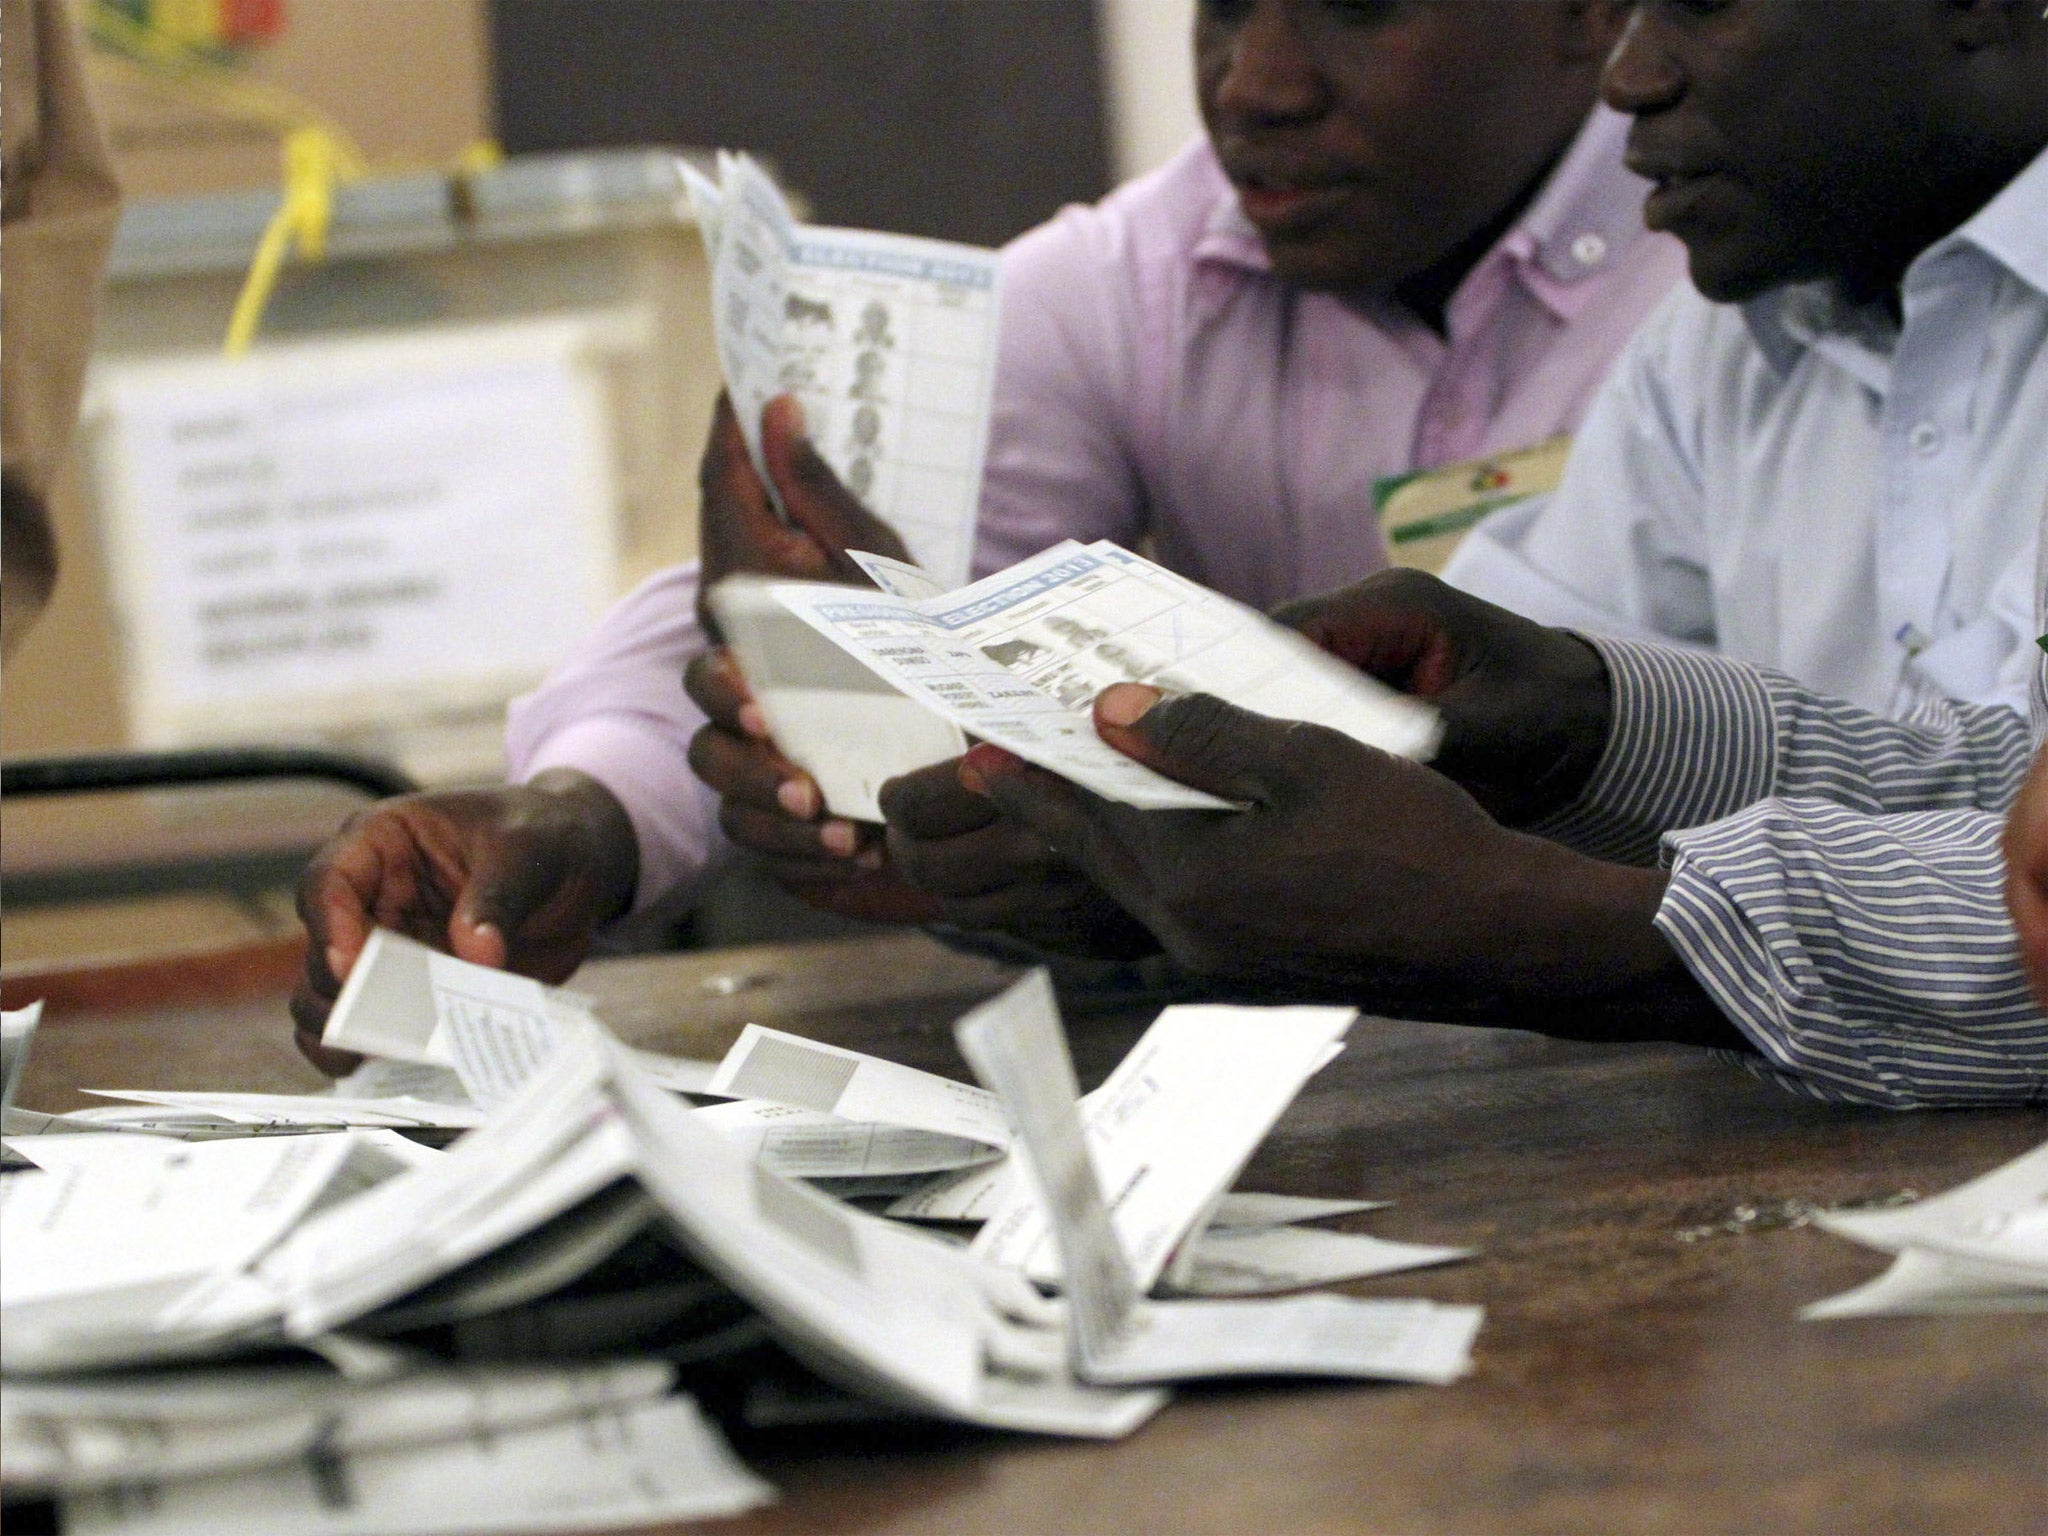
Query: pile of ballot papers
288	1315
1982	1247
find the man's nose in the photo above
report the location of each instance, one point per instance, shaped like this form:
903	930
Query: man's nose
1271	73
1641	75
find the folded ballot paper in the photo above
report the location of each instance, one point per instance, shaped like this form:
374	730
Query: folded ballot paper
888	341
1982	1247
869	685
1014	1043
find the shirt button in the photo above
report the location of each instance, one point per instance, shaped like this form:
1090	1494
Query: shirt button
1926	439
1589	250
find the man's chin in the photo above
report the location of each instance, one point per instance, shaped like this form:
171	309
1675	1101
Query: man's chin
1727	277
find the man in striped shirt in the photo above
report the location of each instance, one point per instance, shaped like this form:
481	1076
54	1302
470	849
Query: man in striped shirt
1618	841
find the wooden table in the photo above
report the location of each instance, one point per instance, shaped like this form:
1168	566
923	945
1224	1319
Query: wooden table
1627	1381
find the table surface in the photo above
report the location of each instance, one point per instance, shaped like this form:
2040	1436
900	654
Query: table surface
1627	1381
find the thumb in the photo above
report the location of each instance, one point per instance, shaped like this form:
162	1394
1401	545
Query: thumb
1201	741
509	881
815	498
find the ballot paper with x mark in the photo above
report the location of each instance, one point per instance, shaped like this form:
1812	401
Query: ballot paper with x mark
1014	1042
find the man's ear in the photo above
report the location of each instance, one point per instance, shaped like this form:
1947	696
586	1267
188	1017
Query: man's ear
1587	30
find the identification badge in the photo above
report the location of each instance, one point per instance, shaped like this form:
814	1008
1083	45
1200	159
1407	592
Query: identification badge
1426	513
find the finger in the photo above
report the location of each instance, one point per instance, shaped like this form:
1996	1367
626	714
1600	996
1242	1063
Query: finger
990	858
1082	830
715	683
309	1018
814	497
753	773
932	803
336	899
834	840
739	527
1207	744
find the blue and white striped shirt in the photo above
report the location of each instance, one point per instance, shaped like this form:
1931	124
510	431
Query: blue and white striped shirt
1836	880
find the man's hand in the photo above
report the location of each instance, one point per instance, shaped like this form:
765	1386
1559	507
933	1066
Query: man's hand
2026	874
988	874
1527	709
519	878
774	810
739	530
769	806
1357	875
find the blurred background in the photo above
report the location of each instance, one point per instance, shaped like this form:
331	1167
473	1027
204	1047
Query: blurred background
511	216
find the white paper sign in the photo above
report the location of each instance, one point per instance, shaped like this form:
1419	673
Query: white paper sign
317	532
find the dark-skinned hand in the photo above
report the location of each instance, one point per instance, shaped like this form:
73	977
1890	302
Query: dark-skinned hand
768	805
519	878
1357	876
2026	874
990	875
1526	708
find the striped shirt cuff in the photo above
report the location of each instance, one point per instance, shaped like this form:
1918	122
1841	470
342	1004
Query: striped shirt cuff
1869	959
1670	706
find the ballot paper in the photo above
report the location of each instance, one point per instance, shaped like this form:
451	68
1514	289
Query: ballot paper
610	1467
1173	1125
1982	1246
887	341
1017	659
846	727
1014	1042
324	1110
109	1230
461	1036
17	1029
809	1144
1250	1261
72	1434
809	1074
405	1000
1921	1283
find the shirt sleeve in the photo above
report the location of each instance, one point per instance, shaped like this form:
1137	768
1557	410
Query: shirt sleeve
1698	737
1840	891
1619	548
1060	461
616	710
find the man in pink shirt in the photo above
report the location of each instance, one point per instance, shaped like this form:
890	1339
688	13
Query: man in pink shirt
1407	240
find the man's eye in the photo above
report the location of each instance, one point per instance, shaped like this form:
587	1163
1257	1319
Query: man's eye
1228	13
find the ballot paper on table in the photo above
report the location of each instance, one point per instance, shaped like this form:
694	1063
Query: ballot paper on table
461	1036
809	1144
609	1467
1017	659
75	1433
1014	1043
1982	1246
810	1074
879	1309
1173	1125
110	1230
887	341
17	1030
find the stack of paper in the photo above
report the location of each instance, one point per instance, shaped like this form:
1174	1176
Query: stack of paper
504	1322
887	341
1982	1247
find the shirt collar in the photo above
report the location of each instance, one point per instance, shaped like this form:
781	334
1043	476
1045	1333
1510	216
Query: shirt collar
1583	219
2011	230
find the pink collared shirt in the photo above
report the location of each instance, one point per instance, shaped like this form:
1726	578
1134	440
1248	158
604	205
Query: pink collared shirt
1155	379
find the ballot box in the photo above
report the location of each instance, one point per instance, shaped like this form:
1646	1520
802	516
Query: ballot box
456	439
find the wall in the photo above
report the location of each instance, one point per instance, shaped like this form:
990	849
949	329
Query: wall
1150	79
